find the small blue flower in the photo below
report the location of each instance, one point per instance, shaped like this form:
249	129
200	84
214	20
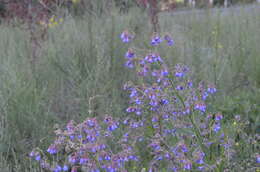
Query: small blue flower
38	157
187	165
126	37
52	149
216	127
218	117
57	169
169	40
156	40
112	127
129	54
83	160
212	89
200	106
65	168
129	64
107	157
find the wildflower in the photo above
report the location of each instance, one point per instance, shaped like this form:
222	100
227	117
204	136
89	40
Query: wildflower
65	168
126	37
32	154
200	106
218	117
107	157
129	54
156	40
129	64
211	89
199	156
73	159
133	93
52	149
216	127
205	95
150	58
83	160
112	127
169	40
258	158
57	169
179	87
187	165
38	157
131	109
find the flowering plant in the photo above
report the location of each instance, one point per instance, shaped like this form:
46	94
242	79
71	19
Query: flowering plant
168	112
173	114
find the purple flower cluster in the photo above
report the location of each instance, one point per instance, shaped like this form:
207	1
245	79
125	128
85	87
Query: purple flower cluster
84	147
169	103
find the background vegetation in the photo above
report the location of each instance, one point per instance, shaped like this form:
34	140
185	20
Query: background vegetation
80	73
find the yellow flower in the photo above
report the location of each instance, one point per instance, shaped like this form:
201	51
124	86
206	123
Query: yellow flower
235	123
220	45
180	1
52	19
237	144
61	20
75	1
55	23
50	24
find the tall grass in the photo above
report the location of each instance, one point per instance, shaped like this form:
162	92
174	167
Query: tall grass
80	71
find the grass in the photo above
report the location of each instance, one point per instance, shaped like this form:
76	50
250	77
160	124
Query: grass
80	71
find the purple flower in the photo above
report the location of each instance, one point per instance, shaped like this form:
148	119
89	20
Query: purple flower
199	156
83	160
112	126
57	169
179	74
52	149
131	109
129	64
156	40
73	159
180	70
107	157
38	157
187	165
32	154
183	148
179	87
164	101
169	40
205	95
138	101
216	127
211	89
218	116
129	54
151	58
65	168
126	37
134	125
200	106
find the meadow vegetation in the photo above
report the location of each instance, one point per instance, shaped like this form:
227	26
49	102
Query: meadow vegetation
81	72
